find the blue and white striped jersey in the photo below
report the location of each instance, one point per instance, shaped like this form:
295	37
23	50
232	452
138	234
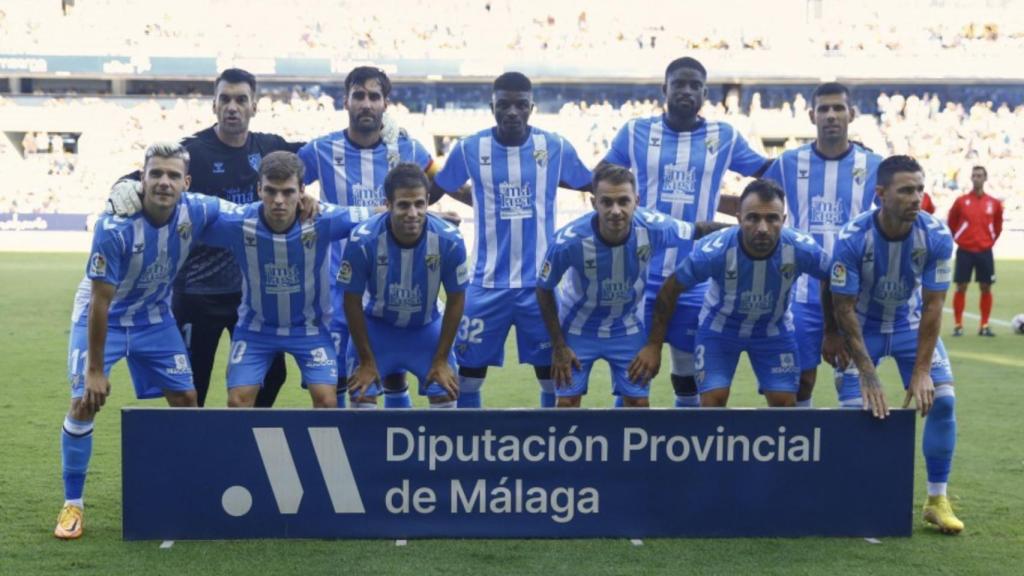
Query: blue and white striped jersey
679	174
141	260
401	284
513	200
748	297
887	275
603	285
354	176
823	194
286	284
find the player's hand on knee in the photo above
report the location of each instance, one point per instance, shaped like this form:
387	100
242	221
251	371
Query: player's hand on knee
97	388
443	374
646	364
922	391
833	351
874	397
563	360
125	198
365	376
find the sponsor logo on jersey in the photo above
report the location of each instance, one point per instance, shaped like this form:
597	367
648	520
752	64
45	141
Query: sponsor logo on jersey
403	299
156	273
97	265
281	278
345	272
515	201
613	292
462	273
838	276
364	195
755	302
679	183
545	271
891	292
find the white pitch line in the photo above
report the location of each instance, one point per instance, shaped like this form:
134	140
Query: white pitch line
995	321
401	542
872	540
166	544
636	542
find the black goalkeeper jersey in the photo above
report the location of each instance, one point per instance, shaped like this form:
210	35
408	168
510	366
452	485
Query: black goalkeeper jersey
230	173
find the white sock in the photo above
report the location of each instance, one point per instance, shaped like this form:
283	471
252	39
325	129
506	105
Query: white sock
364	405
76	502
442	405
805	403
936	488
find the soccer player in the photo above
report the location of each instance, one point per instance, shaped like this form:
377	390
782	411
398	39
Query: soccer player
397	262
351	165
976	220
679	159
752	269
225	163
828	182
516	169
122	310
890	273
285	282
596	311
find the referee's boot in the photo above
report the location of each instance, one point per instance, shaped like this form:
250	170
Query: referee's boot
986	331
958	331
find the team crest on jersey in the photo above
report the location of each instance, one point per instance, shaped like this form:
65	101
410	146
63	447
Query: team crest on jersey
309	238
393	158
859	176
218	167
541	157
185	230
345	272
433	261
712	145
917	256
254	161
643	253
180	365
97	265
838	276
788	270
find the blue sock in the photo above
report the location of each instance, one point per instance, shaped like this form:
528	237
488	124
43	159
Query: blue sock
618	402
76	449
342	397
469	392
940	435
397	399
547	394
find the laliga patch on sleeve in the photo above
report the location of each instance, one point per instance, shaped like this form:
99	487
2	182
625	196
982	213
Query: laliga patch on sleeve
944	271
545	271
462	273
838	274
97	265
345	272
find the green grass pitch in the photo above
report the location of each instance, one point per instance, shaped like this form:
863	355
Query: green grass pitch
987	485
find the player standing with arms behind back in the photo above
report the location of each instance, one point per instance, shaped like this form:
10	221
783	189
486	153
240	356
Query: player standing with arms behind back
976	220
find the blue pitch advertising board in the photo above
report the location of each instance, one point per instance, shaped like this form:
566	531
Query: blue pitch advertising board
221	474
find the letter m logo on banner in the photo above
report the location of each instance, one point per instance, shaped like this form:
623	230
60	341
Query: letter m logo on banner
284	476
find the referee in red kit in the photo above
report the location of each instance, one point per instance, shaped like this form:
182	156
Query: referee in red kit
976	220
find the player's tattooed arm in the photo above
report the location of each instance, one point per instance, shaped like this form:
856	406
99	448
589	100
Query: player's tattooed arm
849	327
440	370
647	362
366	374
922	389
833	347
97	386
702	229
563	359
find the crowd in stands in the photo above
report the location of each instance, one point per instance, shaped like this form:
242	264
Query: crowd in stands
504	29
947	137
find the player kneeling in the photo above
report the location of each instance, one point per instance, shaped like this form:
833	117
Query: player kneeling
122	310
603	257
751	269
285	282
398	261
